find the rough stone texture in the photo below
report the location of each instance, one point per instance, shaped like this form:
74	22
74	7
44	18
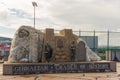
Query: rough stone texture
60	43
61	46
25	46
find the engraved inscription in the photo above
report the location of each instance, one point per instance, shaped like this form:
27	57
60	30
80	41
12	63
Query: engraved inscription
58	68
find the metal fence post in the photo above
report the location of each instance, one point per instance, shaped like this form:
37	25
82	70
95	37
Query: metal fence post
94	40
108	45
79	33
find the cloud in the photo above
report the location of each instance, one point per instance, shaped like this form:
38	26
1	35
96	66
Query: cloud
88	13
19	13
58	14
75	14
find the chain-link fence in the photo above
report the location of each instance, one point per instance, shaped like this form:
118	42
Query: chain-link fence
106	39
105	43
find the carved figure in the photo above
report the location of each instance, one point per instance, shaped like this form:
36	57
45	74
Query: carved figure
60	43
48	52
23	33
73	51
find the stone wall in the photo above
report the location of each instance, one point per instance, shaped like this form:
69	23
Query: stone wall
60	43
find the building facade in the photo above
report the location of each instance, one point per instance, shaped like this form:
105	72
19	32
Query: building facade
5	44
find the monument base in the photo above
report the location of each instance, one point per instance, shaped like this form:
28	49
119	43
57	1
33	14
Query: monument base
66	67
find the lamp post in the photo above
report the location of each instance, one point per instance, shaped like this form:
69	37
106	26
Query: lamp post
34	5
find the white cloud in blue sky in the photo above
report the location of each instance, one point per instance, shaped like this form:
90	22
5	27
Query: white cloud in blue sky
59	14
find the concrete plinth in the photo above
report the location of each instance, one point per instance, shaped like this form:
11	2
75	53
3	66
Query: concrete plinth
65	67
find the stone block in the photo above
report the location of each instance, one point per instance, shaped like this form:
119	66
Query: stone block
81	51
66	67
114	78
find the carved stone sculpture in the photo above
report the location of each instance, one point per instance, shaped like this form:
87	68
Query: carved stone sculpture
25	46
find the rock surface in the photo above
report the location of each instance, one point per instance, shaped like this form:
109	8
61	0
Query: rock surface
25	46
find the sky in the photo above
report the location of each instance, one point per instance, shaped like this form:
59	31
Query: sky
60	14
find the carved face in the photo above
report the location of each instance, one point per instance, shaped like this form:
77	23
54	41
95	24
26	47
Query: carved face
23	33
60	43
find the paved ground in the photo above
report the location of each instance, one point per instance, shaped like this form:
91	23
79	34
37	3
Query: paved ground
66	76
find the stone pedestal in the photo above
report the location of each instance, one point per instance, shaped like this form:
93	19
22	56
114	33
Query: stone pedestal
66	67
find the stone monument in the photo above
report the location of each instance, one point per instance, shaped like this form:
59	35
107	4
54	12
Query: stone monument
33	51
26	45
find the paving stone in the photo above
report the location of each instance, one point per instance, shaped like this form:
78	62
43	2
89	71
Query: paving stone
114	78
